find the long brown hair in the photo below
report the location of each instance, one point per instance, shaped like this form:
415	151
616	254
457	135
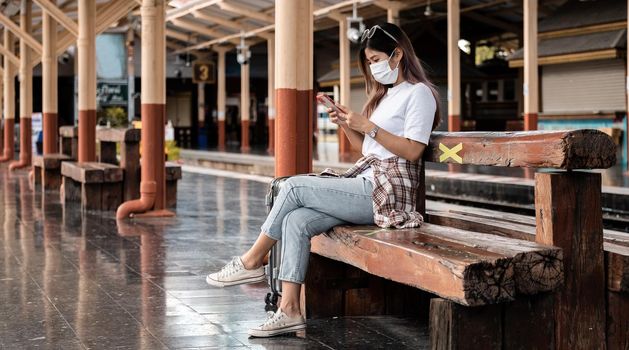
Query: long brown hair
410	67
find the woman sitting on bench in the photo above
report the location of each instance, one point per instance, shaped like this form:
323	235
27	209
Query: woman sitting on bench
392	131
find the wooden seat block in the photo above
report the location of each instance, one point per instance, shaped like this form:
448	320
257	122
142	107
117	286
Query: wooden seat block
82	172
47	170
615	243
69	131
118	135
466	267
100	184
69	141
51	161
173	174
173	171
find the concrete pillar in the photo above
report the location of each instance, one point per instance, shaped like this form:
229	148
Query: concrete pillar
86	45
26	90
393	15
345	148
245	102
454	67
201	104
1	127
293	86
49	84
130	73
531	81
271	92
153	183
221	94
9	99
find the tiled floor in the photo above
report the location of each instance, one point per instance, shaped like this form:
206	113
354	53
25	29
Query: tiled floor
73	281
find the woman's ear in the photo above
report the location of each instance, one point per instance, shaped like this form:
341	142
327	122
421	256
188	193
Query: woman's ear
397	54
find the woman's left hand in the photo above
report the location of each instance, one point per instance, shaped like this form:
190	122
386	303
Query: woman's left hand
356	121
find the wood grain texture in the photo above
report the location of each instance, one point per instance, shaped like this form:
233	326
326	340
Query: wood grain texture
528	323
615	243
568	215
69	131
617	321
453	326
467	267
118	135
576	149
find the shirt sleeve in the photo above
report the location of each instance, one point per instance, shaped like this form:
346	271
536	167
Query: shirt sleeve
420	114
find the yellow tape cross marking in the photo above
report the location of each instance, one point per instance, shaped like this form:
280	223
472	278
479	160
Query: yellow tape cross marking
451	153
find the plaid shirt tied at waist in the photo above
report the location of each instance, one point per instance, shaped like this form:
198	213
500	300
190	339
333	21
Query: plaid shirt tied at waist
395	190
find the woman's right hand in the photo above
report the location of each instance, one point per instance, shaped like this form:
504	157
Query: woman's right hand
336	117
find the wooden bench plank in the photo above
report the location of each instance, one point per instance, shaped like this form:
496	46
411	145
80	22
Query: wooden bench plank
615	244
467	267
573	149
173	171
50	161
111	173
118	135
82	172
69	131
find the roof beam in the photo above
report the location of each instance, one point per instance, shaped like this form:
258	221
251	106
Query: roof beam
219	20
197	28
178	35
326	10
244	11
188	8
59	16
108	14
235	38
15	29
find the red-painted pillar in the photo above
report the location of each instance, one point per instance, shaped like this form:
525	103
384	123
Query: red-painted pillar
294	95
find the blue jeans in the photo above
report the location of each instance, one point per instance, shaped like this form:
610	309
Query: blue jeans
307	206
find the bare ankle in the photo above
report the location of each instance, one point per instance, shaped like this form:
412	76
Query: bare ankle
248	263
291	310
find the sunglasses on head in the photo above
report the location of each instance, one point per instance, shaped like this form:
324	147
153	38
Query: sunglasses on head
367	34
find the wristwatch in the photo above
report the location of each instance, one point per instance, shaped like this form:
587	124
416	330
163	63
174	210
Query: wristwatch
373	132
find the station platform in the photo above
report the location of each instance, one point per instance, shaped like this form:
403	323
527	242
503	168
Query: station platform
505	189
83	281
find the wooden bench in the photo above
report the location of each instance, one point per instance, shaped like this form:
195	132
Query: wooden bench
615	245
47	168
129	141
173	175
98	186
524	292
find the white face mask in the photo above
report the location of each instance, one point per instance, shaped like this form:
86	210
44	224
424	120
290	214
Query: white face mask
383	73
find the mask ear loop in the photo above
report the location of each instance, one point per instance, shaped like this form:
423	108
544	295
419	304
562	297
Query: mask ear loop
391	56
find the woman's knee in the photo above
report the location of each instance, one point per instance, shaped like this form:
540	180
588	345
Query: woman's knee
293	222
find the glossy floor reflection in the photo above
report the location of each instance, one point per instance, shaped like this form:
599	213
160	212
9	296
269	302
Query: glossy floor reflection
73	281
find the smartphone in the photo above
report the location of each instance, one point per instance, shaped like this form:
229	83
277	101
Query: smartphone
328	102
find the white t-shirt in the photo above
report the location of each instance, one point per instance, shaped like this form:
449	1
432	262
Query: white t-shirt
407	110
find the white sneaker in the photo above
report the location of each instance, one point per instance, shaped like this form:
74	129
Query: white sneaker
234	273
278	323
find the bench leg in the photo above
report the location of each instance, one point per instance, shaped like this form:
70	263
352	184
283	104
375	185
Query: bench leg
617	321
111	196
171	194
71	190
569	216
334	288
37	176
50	178
91	196
453	326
